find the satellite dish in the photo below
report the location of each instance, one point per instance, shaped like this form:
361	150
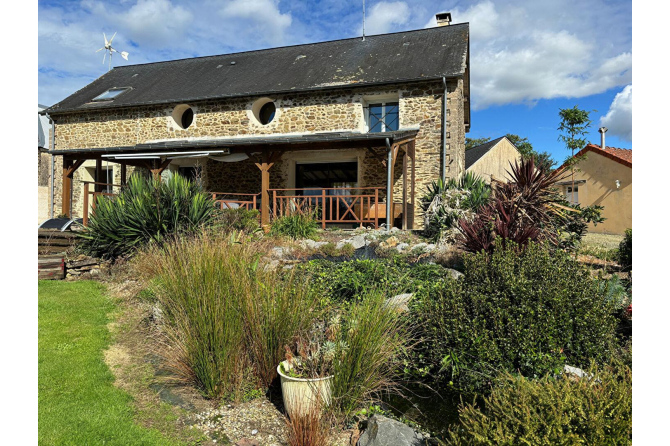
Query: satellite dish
111	50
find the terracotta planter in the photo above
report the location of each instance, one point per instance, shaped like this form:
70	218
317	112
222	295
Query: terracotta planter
303	395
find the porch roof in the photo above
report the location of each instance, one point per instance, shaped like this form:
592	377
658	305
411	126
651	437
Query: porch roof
328	140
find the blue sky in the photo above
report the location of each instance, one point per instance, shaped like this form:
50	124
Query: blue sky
529	58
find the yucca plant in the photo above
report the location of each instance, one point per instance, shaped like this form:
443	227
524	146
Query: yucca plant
445	204
146	211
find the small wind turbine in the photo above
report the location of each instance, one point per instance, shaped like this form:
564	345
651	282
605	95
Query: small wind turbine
110	50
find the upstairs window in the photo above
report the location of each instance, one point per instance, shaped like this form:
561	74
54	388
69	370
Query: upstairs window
383	117
111	94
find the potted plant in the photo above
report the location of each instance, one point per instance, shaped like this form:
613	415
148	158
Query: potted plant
307	372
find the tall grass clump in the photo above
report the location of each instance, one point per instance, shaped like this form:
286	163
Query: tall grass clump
193	280
146	211
308	428
275	309
227	317
296	226
376	336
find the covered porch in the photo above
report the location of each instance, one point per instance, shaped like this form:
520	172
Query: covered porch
342	179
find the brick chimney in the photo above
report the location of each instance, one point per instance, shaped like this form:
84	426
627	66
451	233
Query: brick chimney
443	18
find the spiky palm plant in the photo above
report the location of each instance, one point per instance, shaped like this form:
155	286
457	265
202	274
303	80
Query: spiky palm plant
521	210
146	211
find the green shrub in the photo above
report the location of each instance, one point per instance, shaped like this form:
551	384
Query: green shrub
296	226
240	219
548	411
376	337
529	312
345	281
146	211
227	319
625	257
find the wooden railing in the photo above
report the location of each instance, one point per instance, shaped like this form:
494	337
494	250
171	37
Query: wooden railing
96	194
246	201
331	205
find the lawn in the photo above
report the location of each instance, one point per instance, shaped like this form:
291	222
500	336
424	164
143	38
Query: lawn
78	403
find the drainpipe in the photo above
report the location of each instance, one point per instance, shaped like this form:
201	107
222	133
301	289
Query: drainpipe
389	162
443	173
53	162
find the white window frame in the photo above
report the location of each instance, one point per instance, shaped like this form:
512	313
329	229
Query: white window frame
383	100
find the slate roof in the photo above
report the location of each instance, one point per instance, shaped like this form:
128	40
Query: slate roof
474	154
621	156
379	59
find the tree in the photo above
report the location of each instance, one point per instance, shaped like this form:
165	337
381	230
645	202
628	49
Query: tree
474	142
574	124
543	160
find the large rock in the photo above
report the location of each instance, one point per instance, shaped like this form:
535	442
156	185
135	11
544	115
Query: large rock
358	241
399	302
382	431
311	244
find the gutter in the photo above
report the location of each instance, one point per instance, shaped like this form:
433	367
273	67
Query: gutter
443	173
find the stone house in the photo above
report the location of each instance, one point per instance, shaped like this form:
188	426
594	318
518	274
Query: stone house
43	165
604	177
492	159
353	128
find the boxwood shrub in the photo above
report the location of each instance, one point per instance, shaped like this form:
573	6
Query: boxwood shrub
529	311
549	411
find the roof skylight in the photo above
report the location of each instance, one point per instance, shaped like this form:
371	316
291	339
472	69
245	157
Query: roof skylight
111	94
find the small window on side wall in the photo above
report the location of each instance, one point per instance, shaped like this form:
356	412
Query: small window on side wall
383	117
572	194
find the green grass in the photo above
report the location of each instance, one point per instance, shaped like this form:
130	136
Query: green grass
78	403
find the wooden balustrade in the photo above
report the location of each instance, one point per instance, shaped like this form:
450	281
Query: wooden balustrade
345	205
246	201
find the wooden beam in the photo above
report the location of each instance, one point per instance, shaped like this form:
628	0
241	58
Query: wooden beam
265	185
123	174
74	166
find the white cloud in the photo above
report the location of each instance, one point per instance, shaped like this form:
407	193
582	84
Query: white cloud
156	23
619	118
261	20
522	52
385	17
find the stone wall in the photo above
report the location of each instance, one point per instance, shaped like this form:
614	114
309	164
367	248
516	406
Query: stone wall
420	106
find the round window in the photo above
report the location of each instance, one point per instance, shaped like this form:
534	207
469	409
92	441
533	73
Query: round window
183	116
267	113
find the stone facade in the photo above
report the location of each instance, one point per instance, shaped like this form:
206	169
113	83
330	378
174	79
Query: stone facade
420	107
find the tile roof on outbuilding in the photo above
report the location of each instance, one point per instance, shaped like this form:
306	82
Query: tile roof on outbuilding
621	156
430	53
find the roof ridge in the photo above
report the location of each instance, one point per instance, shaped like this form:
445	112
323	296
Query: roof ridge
286	46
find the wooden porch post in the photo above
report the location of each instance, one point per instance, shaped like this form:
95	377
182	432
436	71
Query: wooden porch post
393	153
69	167
67	188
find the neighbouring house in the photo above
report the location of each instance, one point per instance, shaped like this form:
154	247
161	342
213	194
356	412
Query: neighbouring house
604	177
43	165
492	159
352	128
